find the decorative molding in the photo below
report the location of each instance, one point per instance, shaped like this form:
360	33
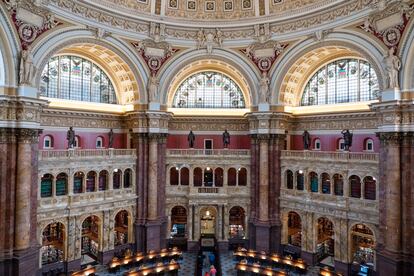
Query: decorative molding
388	25
285	22
30	20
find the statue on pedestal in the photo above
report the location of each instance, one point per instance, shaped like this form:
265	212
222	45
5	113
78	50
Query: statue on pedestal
347	138
153	88
27	69
306	140
111	139
70	136
226	139
393	66
264	88
191	139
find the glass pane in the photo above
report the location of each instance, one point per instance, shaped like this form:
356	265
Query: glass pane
208	90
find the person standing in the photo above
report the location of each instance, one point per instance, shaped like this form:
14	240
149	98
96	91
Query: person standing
213	271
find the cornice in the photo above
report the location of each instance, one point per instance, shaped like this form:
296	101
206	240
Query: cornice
137	25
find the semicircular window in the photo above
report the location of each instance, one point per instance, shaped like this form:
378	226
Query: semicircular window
75	78
342	81
208	90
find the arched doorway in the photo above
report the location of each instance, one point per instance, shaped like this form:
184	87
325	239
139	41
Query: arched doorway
91	234
363	246
294	229
237	225
121	228
208	217
178	222
325	241
53	243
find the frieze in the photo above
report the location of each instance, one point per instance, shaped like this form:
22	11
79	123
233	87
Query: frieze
208	124
16	109
368	120
51	117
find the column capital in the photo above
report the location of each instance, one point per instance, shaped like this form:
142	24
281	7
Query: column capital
21	135
159	137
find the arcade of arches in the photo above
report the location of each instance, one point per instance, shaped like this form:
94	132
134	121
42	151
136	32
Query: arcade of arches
150	124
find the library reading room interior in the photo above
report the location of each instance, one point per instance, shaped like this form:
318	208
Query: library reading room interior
206	137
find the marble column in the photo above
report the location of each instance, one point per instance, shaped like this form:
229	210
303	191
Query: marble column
389	243
141	145
18	206
261	223
277	143
254	191
152	179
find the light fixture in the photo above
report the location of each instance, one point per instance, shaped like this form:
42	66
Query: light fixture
208	168
300	171
116	170
207	213
176	168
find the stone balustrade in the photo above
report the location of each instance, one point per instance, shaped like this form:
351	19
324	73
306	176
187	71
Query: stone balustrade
76	200
45	155
331	155
208	152
206	191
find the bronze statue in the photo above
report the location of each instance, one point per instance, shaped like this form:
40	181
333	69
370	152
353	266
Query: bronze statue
347	138
111	139
191	139
306	140
226	139
70	136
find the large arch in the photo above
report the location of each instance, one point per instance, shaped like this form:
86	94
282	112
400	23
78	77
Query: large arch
221	60
305	57
406	53
9	52
117	58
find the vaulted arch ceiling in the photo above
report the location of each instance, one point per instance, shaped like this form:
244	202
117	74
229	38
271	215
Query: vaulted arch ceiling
300	72
117	69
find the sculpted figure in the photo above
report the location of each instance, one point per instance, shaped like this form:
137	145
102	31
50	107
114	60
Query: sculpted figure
219	37
306	140
153	88
264	88
200	38
70	136
393	65
191	139
209	42
226	139
27	69
111	139
347	138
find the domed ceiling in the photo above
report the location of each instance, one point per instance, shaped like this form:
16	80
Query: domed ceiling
209	12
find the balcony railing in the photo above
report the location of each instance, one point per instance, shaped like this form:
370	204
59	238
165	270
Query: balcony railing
208	190
208	152
330	155
85	153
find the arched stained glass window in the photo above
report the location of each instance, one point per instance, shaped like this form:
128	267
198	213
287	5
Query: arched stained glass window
75	78
342	81
209	90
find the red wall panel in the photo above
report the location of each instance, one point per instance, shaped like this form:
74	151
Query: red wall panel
87	139
329	142
177	141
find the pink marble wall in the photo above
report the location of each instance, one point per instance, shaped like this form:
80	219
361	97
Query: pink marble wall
180	141
87	139
329	142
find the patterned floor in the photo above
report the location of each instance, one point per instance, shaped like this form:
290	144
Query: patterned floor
187	264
